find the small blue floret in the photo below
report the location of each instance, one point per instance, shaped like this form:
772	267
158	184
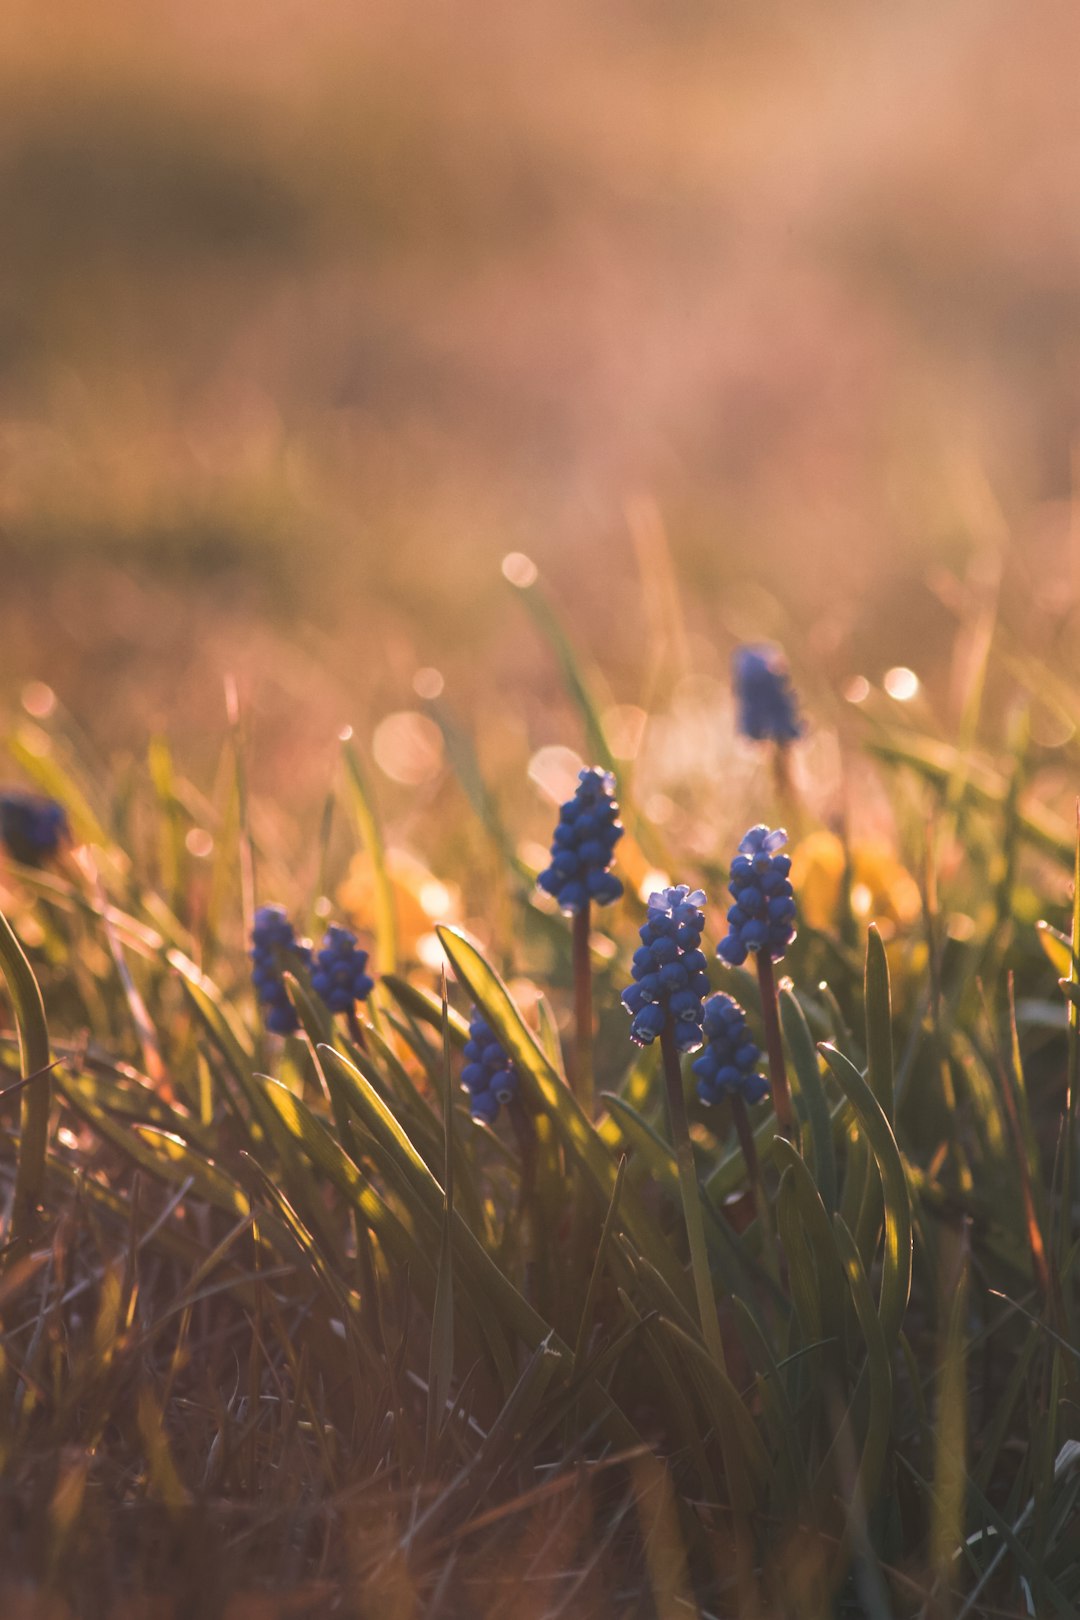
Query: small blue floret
668	970
763	916
763	690
339	977
33	828
490	1075
584	845
274	948
729	1063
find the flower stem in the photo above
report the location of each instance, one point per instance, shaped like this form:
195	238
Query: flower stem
774	1045
583	1010
741	1121
691	1197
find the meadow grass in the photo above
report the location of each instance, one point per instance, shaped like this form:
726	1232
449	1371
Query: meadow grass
286	1331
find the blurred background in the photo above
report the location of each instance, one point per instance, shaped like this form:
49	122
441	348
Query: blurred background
310	314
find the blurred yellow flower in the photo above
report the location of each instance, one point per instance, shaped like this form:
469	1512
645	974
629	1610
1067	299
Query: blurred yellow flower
420	899
882	890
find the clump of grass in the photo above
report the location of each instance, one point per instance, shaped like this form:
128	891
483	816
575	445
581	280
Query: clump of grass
281	1315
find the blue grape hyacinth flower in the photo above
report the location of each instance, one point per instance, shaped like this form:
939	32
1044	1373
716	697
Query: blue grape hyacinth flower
274	948
33	827
763	916
766	700
670	981
584	844
490	1075
729	1063
339	975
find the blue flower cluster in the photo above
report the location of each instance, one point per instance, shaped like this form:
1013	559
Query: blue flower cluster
584	845
490	1075
273	943
767	708
339	975
670	981
32	827
730	1060
763	916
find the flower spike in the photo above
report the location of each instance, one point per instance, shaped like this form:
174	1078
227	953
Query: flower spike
670	981
763	916
584	844
767	706
273	943
490	1075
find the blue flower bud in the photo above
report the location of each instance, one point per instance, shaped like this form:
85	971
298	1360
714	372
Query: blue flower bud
32	827
763	916
763	690
583	846
339	978
767	709
669	981
729	1062
275	948
493	1078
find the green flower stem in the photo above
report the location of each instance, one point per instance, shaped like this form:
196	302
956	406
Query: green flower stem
691	1197
743	1130
583	1011
356	1030
774	1045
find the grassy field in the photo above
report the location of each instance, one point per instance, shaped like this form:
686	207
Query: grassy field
286	1331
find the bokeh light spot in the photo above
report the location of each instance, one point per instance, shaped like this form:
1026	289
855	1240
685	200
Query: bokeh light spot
901	683
428	683
408	747
520	570
38	699
554	769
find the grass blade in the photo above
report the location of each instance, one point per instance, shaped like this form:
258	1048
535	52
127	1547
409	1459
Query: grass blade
33	1032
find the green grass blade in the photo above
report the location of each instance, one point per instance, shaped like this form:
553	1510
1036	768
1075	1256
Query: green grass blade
549	1093
879	1049
424	1007
816	1224
896	1270
804	1061
362	801
550	627
33	1032
441	1356
422	1192
879	1373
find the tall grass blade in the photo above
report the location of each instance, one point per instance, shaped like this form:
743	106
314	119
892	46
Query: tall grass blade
35	1101
362	800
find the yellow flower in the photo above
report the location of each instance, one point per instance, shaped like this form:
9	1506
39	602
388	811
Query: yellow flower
420	900
882	890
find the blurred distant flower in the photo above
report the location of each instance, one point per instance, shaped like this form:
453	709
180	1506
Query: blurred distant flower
763	916
339	977
880	886
490	1075
584	845
420	899
729	1063
275	948
670	981
767	706
33	828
